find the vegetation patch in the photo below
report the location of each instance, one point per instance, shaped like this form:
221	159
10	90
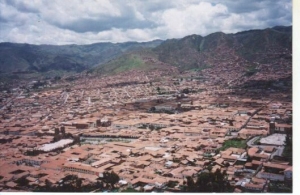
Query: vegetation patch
133	62
208	182
280	187
251	71
130	190
288	149
201	45
235	143
203	67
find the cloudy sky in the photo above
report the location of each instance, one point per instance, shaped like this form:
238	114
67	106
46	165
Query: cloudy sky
88	21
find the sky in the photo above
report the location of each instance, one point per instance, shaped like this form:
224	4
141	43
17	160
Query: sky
60	22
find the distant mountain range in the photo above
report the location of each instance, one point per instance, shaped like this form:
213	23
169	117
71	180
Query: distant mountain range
191	52
42	58
243	51
195	51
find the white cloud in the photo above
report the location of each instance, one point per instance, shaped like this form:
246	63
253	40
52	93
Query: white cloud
193	19
89	21
64	12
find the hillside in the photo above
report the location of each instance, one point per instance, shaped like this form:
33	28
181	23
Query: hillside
196	51
244	58
143	59
43	58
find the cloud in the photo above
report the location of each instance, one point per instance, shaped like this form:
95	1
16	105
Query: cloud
89	21
193	19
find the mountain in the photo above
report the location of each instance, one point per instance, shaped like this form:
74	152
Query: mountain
234	58
195	51
249	58
42	58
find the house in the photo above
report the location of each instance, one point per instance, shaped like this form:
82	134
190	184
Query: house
81	125
140	181
85	123
101	162
175	173
238	151
256	180
247	133
270	176
250	187
53	165
220	162
164	108
261	157
275	167
30	161
269	149
81	168
242	112
283	128
248	165
256	164
104	122
218	133
252	151
229	158
141	164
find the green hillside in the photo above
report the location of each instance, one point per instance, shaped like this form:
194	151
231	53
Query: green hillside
43	58
144	59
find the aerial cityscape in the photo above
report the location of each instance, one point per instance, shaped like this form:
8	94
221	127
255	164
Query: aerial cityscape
186	113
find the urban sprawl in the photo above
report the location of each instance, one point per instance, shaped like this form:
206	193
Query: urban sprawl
155	131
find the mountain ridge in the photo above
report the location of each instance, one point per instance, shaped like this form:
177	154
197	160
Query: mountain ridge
190	52
257	56
42	58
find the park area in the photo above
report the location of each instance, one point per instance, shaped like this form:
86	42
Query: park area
235	143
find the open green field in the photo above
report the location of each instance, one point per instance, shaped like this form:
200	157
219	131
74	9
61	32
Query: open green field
235	143
134	62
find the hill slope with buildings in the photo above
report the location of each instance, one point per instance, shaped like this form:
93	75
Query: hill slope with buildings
244	58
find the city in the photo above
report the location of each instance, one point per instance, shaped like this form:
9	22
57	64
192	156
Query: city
181	96
151	128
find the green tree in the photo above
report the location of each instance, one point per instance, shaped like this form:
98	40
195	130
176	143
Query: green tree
110	178
191	187
48	183
203	181
171	184
288	140
78	183
288	149
208	182
185	91
158	89
56	130
22	181
63	131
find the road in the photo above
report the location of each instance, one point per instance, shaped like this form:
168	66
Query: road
66	98
250	143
